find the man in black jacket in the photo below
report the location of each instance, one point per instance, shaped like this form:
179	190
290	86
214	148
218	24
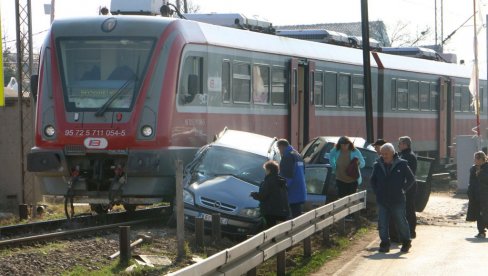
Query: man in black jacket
406	153
390	179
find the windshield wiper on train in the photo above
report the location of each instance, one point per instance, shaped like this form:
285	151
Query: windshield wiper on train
112	98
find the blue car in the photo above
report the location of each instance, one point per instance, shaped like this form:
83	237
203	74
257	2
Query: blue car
223	174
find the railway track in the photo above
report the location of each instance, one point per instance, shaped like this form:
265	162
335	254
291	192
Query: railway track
16	235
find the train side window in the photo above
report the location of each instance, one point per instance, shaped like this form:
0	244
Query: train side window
279	88
466	98
413	95
434	97
424	96
318	87
344	90
393	94
457	98
402	94
241	83
226	82
260	84
357	91
330	89
191	88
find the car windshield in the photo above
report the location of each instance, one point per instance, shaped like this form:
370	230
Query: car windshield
100	71
225	161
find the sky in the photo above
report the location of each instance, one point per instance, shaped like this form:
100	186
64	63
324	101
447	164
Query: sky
419	14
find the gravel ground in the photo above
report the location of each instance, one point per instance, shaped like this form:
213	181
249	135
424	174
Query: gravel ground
446	208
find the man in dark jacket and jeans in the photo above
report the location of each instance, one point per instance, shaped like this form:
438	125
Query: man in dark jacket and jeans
292	168
390	179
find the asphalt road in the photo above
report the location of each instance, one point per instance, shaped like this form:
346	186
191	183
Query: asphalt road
445	245
437	250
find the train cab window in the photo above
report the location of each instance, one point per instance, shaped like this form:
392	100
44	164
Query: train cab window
100	74
191	88
457	98
330	95
318	87
434	97
260	84
344	90
226	82
413	95
402	94
424	97
465	98
241	83
279	88
357	91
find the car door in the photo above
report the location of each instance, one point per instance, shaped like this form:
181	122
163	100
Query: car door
423	175
317	178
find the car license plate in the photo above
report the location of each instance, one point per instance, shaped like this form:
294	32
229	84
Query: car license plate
208	217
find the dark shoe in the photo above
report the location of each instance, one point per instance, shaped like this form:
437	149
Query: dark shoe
480	236
406	246
384	247
413	234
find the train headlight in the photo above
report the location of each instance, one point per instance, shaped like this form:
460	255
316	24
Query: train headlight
49	131
250	212
146	131
188	197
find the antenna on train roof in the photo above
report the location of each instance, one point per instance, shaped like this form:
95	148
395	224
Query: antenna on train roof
166	11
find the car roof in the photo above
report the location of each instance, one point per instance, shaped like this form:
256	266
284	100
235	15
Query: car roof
357	141
245	141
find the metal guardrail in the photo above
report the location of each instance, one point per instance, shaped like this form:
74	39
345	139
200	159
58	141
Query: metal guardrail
252	252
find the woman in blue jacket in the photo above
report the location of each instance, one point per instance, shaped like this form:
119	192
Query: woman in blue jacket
340	157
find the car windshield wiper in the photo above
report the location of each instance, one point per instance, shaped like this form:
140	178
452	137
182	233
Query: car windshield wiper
112	98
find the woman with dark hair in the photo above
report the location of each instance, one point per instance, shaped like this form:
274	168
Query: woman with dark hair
478	193
273	195
340	158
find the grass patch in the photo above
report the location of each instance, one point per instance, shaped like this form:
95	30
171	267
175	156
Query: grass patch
306	266
115	268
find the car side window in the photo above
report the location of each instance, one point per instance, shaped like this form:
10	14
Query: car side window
311	151
369	157
315	178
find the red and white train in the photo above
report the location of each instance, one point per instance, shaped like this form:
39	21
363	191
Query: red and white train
121	98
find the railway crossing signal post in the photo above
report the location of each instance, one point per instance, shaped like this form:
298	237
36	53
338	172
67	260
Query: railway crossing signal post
367	72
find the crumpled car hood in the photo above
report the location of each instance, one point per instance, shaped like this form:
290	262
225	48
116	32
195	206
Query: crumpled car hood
226	189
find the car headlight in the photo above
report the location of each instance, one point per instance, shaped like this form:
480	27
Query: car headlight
250	212
188	197
49	131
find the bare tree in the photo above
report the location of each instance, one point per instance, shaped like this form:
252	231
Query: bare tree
401	35
190	7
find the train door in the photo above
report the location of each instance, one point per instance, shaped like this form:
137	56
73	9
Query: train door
294	114
310	127
446	120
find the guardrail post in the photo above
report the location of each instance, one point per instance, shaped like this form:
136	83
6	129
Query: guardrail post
216	232
199	233
252	272
180	220
23	212
124	244
281	263
307	247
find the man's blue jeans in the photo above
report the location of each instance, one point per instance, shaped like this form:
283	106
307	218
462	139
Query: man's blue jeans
397	213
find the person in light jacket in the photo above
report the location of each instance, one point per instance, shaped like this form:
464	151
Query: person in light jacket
339	158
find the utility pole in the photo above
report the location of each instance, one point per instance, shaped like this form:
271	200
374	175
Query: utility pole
53	3
442	26
24	71
367	72
435	24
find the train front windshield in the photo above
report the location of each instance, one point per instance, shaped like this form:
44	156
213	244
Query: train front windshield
102	74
